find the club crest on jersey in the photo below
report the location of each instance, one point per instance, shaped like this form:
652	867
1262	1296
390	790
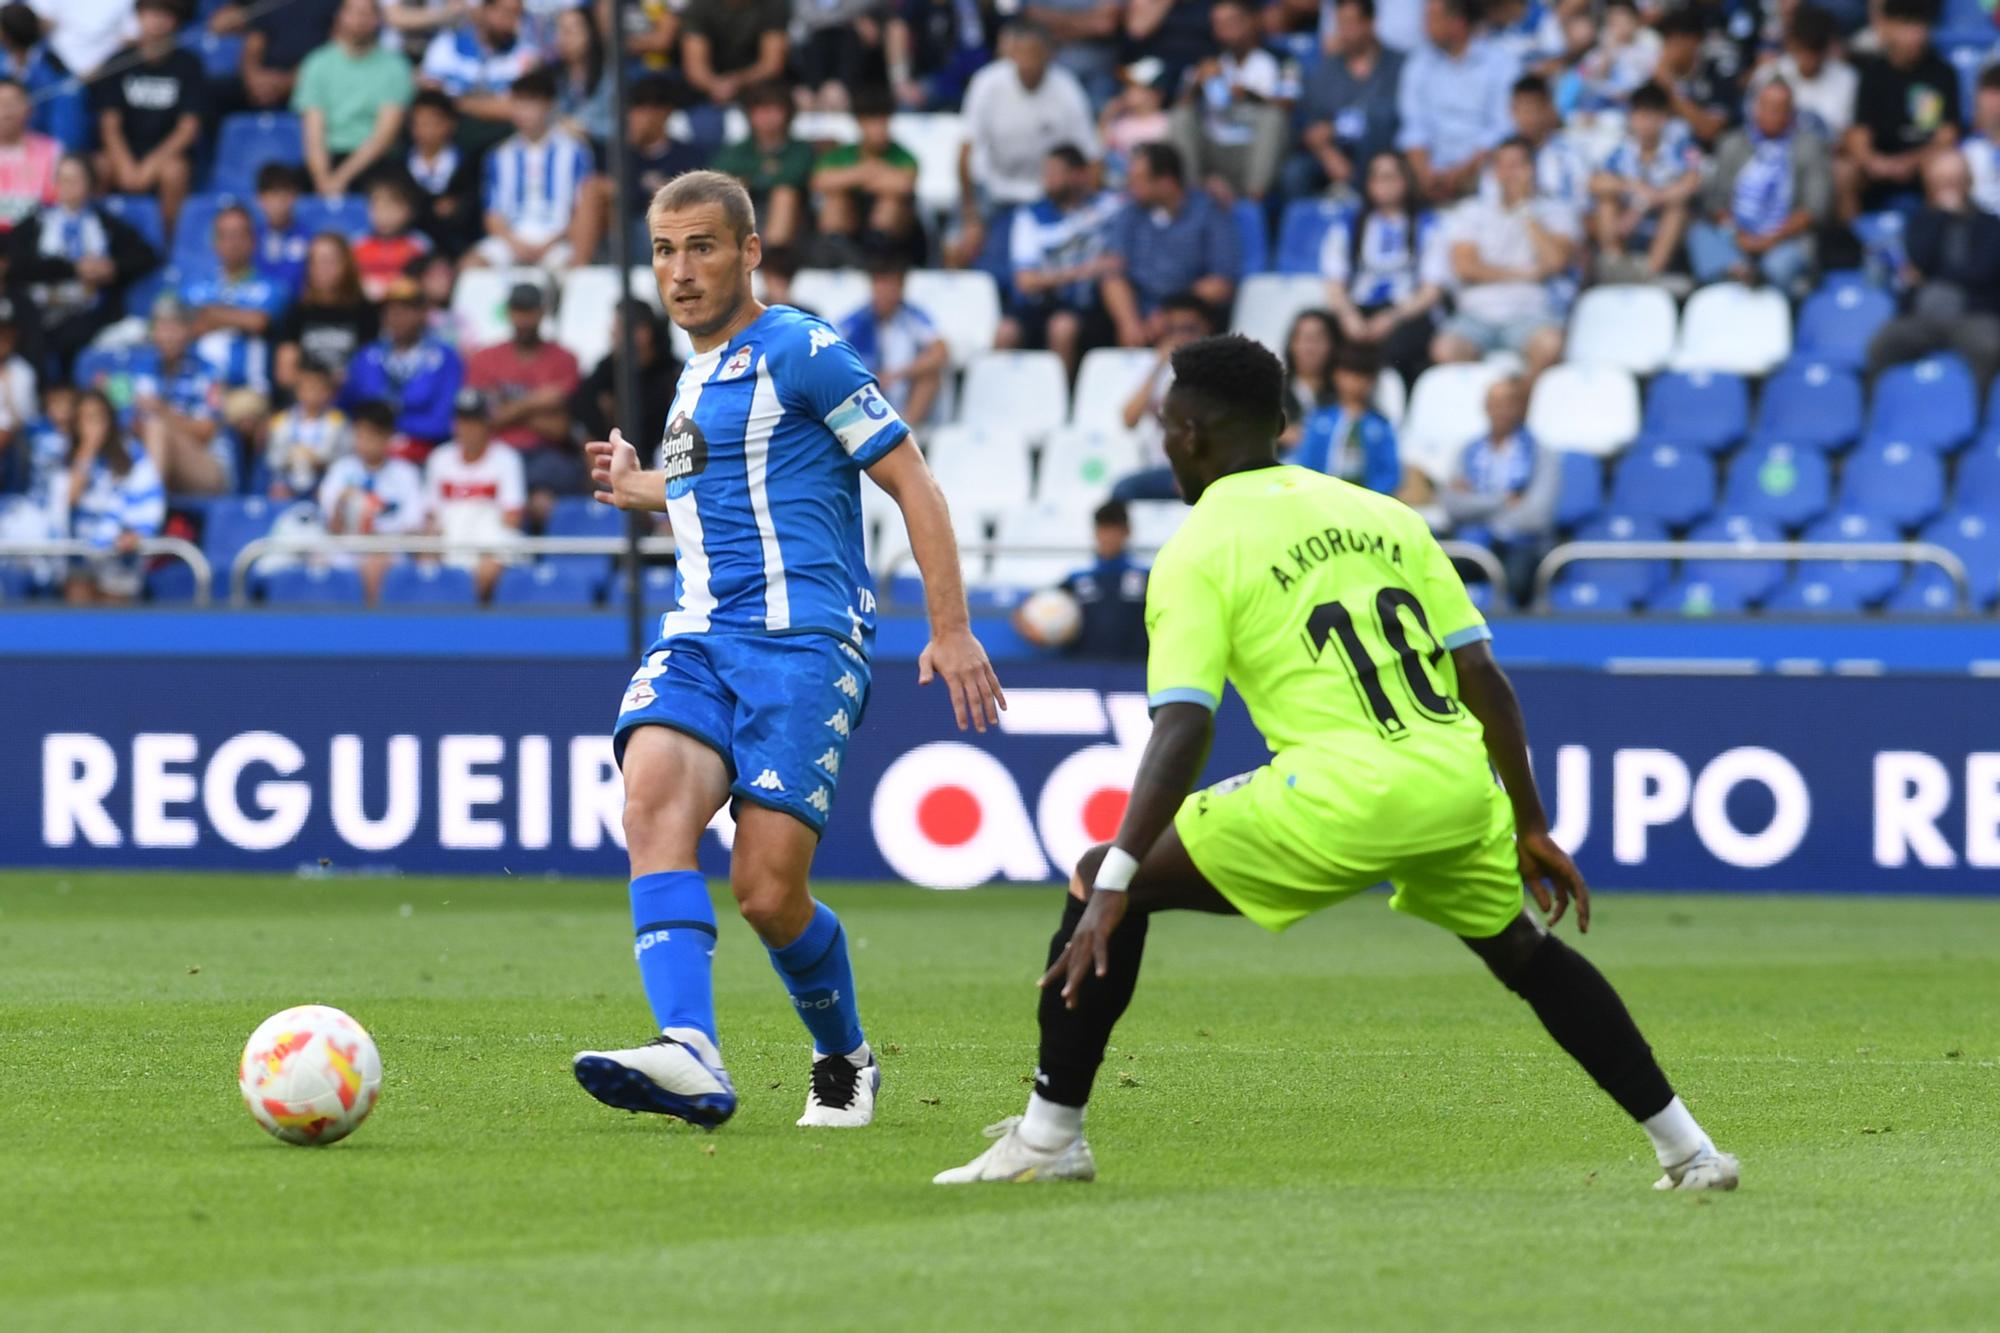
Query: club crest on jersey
638	696
683	455
736	365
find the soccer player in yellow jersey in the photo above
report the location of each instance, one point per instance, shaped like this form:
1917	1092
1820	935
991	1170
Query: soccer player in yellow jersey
1367	669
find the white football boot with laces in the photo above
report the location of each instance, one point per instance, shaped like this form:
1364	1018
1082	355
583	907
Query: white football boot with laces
1013	1160
1709	1169
841	1093
678	1073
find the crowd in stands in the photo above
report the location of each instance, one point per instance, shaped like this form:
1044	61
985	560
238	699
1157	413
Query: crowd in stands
241	240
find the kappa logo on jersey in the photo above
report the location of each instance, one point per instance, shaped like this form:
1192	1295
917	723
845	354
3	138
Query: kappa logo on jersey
848	685
819	800
830	761
839	722
683	455
768	781
822	339
736	365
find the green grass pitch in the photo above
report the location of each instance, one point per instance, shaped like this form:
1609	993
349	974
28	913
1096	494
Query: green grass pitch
1347	1127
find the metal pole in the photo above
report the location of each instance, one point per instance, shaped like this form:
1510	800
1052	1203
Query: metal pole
624	390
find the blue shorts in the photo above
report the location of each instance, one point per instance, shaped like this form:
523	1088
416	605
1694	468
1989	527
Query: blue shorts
778	708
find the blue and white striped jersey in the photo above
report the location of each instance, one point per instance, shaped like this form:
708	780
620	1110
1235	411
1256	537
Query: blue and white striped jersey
534	185
764	448
111	504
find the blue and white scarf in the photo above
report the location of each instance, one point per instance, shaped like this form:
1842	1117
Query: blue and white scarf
1762	197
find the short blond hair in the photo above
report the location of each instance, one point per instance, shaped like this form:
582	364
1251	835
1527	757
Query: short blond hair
692	189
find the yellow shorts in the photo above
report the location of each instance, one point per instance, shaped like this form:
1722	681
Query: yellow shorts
1278	859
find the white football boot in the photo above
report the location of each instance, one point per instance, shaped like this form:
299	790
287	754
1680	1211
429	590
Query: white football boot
842	1094
1709	1169
1013	1160
678	1073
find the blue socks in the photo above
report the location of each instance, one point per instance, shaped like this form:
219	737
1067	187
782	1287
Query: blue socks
675	925
815	970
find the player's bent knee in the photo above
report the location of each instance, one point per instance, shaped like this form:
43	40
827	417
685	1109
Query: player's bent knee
1507	953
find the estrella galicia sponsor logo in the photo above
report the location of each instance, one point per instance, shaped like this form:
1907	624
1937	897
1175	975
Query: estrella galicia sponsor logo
683	455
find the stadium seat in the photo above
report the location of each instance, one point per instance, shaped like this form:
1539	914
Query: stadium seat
831	293
1899	482
234	522
1881	237
1930	404
983	470
1698	597
1081	465
1740	581
935	140
584	312
1267	303
1106	379
581	516
972	528
1812	404
1973	537
1392	396
1780	481
1302	233
1699	409
1633	581
346	216
143	292
1627	325
1728	326
221	55
97	367
427	583
479	304
1968	52
1574	596
1664	481
1248	215
141	212
1928	591
1052	541
249	140
1837	321
546	585
1153	521
1866	581
1447	412
1028	392
1978	482
170	581
194	233
1589	409
1806	593
313	585
1582	493
963	303
1481	594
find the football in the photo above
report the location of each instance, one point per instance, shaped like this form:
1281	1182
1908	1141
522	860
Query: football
1053	616
310	1074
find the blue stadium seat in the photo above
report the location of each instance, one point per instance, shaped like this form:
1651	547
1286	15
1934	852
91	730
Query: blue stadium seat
1967	52
1745	581
1582	493
141	212
656	586
14	583
170	581
1881	237
1978	482
96	365
1249	218
308	585
1701	409
1931	403
547	585
1663	481
221	56
1811	403
1786	483
1582	597
1698	597
347	215
194	233
1974	537
427	583
1928	591
1630	580
1900	482
1868	580
581	516
1482	595
1836	322
139	297
234	522
1816	595
1302	233
249	140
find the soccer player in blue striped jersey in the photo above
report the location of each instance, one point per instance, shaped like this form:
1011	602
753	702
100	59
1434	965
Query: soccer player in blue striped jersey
761	671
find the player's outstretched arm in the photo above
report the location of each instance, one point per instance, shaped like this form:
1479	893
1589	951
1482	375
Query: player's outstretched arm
1545	866
953	654
616	478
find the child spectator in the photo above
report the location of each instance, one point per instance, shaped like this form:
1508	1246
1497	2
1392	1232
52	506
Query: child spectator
776	168
535	213
1137	115
150	112
370	493
408	368
282	244
1386	268
867	190
234	306
899	343
1643	192
1350	439
177	409
27	160
528	381
305	438
1110	593
330	321
1823	84
393	243
1562	168
475	491
1701	85
446	177
1623	59
119	502
1982	147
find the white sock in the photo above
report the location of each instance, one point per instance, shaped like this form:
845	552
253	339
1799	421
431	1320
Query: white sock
1050	1125
1675	1135
858	1057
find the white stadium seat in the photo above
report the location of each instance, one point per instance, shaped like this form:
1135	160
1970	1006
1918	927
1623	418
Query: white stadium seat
479	304
1627	325
972	528
1107	377
1584	409
1153	521
1733	328
1027	392
982	469
1057	538
585	306
1447	412
1267	303
825	127
1080	465
934	139
964	304
1392	397
831	293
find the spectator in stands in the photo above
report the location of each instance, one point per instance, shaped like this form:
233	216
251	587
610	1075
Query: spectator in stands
1309	349
1174	32
1952	281
1347	107
1562	166
1348	438
19	402
176	409
935	47
653	157
1621	61
447	177
119	502
1232	117
538	212
302	441
1702	89
329	323
370	493
352	96
38	461
1769	187
652	35
727	45
234	306
150	112
478	63
59	107
1386	267
475	490
1110	593
780	269
408	368
1982	146
27	160
281	242
1504	492
1644	192
1016	110
867	190
276	41
1137	115
1056	256
1528	32
1452	102
86	34
71	262
1085	35
1505	254
839	50
776	168
898	342
1823	84
528	381
1906	108
594	405
1181	319
1167	240
583	88
392	243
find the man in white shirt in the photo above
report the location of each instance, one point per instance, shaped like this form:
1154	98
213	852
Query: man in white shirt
1015	110
85	33
367	493
1232	121
476	491
1505	253
1823	85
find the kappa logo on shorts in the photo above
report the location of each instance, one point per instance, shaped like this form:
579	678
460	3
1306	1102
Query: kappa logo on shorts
839	722
830	761
819	800
768	781
848	685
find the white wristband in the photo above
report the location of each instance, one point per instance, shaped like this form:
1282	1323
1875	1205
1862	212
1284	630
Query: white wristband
1115	875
